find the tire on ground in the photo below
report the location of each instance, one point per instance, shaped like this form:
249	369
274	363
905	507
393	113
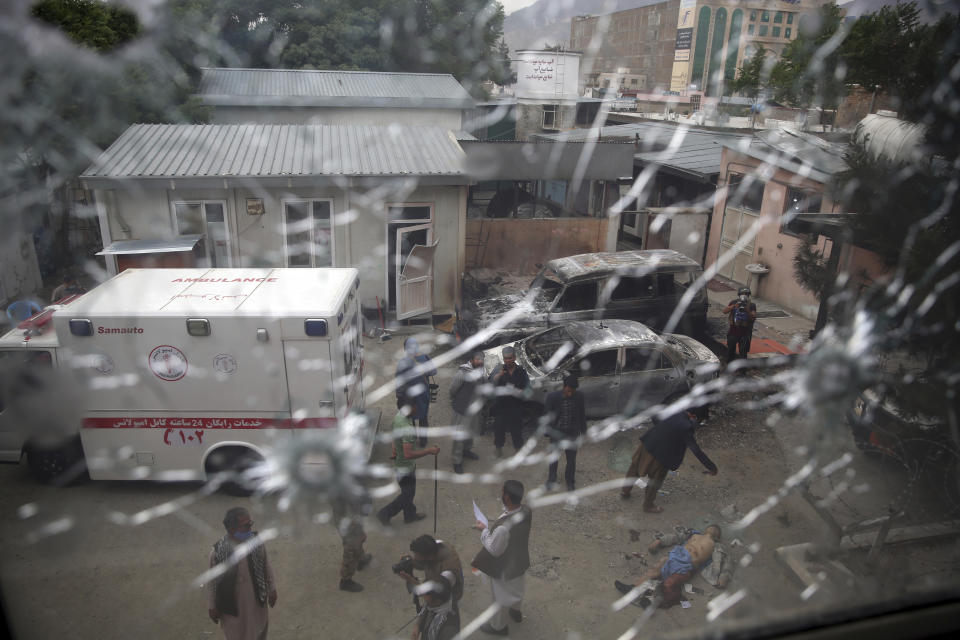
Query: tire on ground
230	465
62	464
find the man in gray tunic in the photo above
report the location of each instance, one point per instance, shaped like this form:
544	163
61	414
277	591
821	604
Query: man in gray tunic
466	409
505	557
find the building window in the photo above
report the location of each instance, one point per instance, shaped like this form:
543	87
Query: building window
633	81
744	192
765	16
209	220
763	30
750	29
778	16
551	116
753	16
776	32
789	18
654	19
308	233
786	32
798	201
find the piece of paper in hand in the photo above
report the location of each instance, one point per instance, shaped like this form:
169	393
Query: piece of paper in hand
479	514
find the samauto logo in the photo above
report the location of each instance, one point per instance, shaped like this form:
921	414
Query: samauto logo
118	330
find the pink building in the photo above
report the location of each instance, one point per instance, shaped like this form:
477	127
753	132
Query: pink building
763	184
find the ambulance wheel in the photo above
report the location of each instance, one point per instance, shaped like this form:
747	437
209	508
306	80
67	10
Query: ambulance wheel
61	466
232	463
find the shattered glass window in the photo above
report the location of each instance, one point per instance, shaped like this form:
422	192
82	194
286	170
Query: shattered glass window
734	413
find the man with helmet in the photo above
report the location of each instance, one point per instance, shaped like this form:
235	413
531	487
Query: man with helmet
741	314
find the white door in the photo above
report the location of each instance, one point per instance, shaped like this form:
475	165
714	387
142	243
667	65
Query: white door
414	271
736	224
310	378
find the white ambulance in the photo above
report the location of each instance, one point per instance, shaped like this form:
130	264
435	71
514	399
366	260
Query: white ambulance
180	373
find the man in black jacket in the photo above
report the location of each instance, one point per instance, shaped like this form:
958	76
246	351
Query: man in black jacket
661	449
567	425
508	407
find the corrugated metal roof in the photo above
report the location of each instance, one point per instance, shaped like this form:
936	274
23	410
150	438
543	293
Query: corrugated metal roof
288	87
796	151
256	150
685	149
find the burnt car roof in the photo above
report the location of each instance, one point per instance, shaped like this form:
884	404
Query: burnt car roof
614	332
591	263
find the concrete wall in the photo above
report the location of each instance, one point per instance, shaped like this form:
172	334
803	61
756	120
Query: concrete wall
859	103
447	118
530	118
518	245
19	269
688	234
359	222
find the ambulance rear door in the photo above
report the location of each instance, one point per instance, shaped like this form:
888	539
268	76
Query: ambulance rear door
310	382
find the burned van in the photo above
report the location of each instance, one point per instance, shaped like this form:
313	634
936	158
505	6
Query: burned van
647	286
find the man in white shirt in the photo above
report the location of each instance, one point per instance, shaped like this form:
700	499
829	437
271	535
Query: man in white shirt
505	558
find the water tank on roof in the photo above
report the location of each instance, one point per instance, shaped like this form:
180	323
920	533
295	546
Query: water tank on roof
547	75
890	137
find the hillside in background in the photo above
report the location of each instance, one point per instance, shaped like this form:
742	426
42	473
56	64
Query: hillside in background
547	22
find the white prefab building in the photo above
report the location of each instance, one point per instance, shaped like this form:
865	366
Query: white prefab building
284	96
388	200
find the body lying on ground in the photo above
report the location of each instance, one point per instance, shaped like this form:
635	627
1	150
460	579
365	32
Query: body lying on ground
691	551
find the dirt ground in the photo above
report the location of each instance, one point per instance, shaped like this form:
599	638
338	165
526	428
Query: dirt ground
100	579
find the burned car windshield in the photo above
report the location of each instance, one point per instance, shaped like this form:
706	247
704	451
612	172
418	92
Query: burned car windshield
546	286
548	349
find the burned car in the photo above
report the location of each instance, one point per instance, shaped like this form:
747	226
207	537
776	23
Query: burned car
646	286
907	426
623	366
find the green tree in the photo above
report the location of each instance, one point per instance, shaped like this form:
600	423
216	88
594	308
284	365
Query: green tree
91	23
809	73
459	37
753	76
98	71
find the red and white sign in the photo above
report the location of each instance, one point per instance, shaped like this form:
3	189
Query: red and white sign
167	363
129	422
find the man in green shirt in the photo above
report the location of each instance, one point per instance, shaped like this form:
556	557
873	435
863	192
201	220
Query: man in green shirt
404	454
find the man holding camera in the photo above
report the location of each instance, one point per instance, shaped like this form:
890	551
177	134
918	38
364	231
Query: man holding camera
438	560
741	314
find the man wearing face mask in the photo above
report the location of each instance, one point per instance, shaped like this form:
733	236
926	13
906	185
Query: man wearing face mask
438	619
240	595
741	314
